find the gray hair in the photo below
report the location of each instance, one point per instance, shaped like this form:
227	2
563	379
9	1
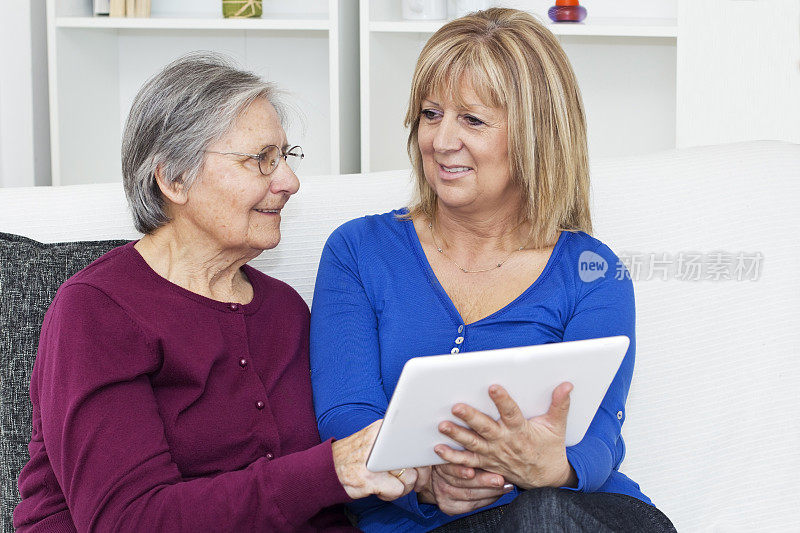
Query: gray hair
176	115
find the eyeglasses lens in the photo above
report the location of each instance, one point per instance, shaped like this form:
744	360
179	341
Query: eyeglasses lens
268	160
293	157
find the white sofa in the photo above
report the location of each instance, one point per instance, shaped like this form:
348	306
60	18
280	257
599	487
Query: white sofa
713	426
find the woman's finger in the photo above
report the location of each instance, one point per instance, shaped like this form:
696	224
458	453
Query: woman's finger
395	483
455	471
478	421
559	405
510	413
479	479
406	476
490	479
461	457
390	488
465	437
409	480
467	494
423	478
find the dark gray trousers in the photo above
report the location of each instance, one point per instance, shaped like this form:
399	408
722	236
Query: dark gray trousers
549	510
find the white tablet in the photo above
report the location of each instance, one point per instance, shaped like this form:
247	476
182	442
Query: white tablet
429	387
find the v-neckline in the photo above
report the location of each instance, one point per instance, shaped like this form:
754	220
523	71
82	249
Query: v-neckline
416	246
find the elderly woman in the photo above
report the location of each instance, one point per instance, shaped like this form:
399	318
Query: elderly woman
486	258
171	389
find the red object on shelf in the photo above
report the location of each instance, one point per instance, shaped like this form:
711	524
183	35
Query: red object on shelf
567	11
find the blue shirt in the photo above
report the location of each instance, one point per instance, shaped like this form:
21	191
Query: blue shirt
377	303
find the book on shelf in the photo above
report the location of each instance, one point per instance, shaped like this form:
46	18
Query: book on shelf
142	8
116	8
126	8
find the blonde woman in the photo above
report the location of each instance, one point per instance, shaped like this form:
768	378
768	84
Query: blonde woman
487	257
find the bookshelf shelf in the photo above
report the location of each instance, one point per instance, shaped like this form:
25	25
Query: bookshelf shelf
195	23
605	27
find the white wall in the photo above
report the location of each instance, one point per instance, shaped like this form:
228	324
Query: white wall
16	133
738	71
16	145
24	133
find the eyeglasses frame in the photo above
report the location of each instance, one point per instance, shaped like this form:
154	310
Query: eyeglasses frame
284	154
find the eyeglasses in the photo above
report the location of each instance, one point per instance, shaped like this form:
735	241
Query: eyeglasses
270	157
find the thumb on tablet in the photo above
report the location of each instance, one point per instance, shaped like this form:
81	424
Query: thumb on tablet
559	406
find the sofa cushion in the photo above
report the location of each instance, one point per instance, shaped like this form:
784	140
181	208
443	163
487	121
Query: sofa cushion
30	274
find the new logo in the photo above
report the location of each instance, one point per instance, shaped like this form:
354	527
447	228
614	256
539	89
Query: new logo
591	266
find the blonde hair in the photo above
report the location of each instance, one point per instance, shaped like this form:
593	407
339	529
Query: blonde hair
514	63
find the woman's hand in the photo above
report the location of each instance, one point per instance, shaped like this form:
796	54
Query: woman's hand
457	489
526	452
350	459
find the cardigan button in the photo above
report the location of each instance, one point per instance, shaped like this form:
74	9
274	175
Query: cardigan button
233	307
619	415
454	350
459	340
260	405
461	328
243	362
269	456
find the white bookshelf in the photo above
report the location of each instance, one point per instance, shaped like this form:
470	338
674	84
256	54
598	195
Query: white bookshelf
97	64
607	27
624	55
209	22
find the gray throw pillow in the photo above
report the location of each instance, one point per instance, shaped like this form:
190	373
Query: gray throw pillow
30	274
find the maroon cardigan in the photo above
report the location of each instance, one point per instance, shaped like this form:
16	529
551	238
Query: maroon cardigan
157	409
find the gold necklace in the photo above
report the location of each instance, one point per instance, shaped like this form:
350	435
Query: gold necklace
466	271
